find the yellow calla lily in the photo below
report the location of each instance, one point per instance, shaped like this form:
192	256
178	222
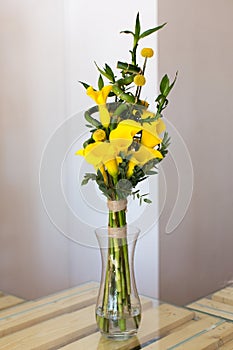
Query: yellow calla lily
141	157
101	154
100	98
151	131
123	135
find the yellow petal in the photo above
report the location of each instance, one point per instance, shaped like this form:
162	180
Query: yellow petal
112	167
131	165
104	93
80	152
104	115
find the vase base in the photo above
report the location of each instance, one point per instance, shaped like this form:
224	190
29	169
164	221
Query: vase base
120	336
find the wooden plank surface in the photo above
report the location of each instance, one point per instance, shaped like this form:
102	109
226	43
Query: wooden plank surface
7	301
224	296
156	322
209	339
42	312
214	308
66	321
50	298
52	333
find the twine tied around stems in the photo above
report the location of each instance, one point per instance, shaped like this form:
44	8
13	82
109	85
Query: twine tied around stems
117	232
116	206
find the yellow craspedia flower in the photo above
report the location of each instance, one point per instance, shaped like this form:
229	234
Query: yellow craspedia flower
139	80
99	135
147	52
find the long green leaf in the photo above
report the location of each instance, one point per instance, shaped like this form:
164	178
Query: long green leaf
126	32
103	72
137	27
109	71
164	85
152	30
84	84
100	82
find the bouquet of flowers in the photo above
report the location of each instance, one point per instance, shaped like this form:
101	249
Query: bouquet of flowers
125	145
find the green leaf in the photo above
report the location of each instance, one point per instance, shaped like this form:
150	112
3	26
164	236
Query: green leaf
137	27
164	85
100	82
126	32
152	30
84	84
146	200
173	83
88	177
109	77
109	71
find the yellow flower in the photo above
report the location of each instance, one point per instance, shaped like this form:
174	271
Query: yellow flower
112	167
103	172
99	97
139	80
99	135
123	135
101	154
140	157
147	52
151	131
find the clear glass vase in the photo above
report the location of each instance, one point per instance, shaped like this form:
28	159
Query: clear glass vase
118	308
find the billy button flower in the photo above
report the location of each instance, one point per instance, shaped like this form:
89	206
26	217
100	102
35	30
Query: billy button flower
99	135
147	52
139	80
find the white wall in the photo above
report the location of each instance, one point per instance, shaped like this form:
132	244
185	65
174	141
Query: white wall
33	256
94	35
47	46
197	257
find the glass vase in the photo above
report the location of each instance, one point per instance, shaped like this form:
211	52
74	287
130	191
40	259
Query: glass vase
118	308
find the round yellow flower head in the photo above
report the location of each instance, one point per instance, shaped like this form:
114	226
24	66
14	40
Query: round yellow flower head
139	80
147	52
99	135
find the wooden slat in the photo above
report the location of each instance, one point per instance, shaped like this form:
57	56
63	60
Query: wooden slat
51	298
224	296
52	333
156	322
227	346
40	312
8	301
209	339
213	307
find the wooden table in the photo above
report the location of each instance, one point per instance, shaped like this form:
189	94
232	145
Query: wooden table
66	320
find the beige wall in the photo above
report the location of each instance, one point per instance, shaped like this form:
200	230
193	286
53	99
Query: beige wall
197	257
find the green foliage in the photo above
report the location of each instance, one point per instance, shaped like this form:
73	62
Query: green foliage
129	105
